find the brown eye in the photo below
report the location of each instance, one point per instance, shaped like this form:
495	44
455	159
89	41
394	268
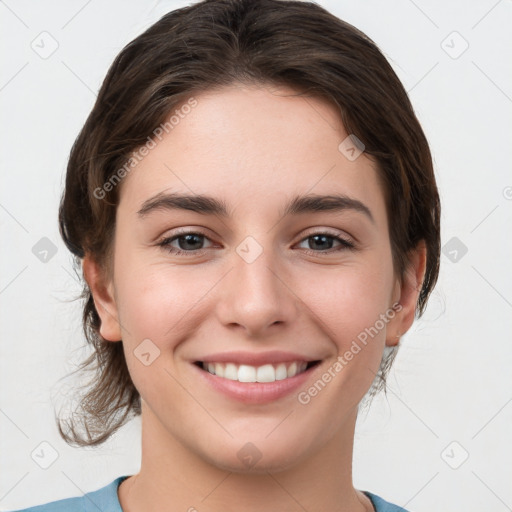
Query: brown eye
187	242
323	242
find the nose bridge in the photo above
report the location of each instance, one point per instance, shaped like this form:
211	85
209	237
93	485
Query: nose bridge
255	296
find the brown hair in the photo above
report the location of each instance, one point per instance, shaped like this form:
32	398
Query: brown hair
211	44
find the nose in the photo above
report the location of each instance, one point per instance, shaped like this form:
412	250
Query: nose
256	296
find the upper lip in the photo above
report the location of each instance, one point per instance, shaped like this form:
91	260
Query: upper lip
256	358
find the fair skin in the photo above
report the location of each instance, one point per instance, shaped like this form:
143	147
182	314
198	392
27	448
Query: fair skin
253	148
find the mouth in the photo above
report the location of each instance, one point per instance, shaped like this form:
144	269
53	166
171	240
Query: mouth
266	373
251	384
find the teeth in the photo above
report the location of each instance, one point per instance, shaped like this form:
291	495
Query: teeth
219	369
231	372
265	373
247	373
292	370
281	372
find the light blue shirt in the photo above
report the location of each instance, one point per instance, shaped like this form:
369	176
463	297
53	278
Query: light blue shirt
106	500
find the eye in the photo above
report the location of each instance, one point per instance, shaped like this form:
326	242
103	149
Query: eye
322	242
188	243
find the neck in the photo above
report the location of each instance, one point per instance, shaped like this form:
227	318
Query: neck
174	478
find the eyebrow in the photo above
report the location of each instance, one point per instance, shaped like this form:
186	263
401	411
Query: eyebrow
207	205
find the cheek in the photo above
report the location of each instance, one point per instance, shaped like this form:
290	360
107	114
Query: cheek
354	298
159	301
154	303
352	317
160	305
355	312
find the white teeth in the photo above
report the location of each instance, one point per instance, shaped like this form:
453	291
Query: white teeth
247	373
292	370
219	369
231	372
281	372
266	373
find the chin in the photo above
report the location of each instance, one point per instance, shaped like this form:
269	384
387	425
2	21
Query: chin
262	467
260	457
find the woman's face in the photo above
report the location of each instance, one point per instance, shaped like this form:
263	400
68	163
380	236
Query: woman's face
261	279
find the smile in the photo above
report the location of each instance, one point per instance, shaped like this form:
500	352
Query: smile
264	374
255	377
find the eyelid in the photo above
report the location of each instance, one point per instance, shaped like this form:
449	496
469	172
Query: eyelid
179	232
346	242
328	231
191	230
310	232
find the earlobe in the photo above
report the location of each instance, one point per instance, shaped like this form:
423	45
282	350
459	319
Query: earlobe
409	291
103	295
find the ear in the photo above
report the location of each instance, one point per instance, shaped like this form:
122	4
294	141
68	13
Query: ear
407	293
102	290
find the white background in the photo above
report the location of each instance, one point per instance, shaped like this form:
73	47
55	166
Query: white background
451	381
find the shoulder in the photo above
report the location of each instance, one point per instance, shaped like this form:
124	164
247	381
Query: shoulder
382	505
104	499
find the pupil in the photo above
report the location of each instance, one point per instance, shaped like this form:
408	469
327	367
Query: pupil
188	240
322	238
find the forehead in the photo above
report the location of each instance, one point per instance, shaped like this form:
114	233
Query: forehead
253	146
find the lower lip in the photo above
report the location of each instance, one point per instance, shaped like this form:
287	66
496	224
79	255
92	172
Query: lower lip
256	392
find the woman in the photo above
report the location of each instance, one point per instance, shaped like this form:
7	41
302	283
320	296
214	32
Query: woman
253	204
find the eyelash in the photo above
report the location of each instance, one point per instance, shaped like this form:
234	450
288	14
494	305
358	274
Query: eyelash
165	244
